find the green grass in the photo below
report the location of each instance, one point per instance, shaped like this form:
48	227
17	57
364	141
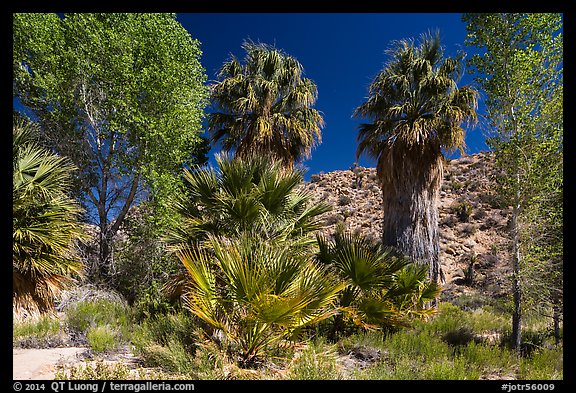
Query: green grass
423	351
542	364
453	345
167	342
317	361
87	315
45	327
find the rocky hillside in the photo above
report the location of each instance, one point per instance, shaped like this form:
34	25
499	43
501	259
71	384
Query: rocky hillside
473	239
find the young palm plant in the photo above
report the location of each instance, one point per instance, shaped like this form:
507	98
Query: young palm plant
382	289
245	195
246	240
416	109
253	293
264	106
45	224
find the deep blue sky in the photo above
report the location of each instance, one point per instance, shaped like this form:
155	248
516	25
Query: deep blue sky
340	52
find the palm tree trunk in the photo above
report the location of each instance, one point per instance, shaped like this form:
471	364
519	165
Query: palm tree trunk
410	191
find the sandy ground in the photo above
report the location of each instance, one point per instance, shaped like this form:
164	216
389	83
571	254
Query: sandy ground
42	363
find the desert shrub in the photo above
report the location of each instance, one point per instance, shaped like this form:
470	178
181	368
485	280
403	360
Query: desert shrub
472	301
451	318
102	338
43	327
449	221
542	364
315	178
333	218
490	259
453	369
417	344
161	329
100	370
316	361
468	229
43	332
173	357
488	358
154	301
494	200
348	212
344	200
463	211
82	316
167	341
402	368
369	338
456	185
460	336
479	214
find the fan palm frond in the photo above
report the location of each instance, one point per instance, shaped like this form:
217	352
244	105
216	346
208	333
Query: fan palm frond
264	106
252	194
45	223
256	292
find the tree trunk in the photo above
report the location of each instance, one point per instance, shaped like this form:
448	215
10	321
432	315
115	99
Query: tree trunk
109	230
104	245
410	191
556	318
516	339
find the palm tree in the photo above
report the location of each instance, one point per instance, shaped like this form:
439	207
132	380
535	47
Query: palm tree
246	240
245	195
416	109
253	293
382	289
264	106
44	224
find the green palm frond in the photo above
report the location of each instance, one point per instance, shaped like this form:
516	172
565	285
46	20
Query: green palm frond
244	195
412	291
383	288
257	292
414	103
45	222
264	106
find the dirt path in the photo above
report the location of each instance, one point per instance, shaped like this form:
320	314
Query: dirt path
41	363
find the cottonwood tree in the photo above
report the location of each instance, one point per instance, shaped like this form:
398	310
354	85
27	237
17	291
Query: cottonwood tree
122	96
520	68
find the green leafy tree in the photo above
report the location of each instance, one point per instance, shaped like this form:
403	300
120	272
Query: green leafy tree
520	67
264	106
416	110
122	96
382	289
45	224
